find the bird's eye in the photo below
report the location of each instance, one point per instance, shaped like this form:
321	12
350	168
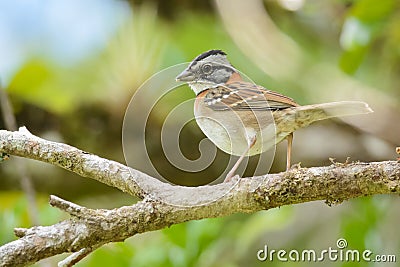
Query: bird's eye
207	68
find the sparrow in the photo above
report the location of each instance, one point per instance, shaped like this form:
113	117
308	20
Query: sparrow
245	119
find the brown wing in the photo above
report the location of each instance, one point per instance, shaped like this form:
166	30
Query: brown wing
242	95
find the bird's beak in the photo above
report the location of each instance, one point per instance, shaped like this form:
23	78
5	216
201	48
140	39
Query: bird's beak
185	76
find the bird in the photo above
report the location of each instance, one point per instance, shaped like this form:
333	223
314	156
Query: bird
245	119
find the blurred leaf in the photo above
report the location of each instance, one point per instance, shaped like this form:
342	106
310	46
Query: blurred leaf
362	26
37	82
196	33
355	34
361	223
203	233
131	57
177	234
259	224
192	239
351	60
116	254
372	10
11	215
14	213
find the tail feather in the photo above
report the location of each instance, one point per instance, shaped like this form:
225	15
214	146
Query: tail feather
302	116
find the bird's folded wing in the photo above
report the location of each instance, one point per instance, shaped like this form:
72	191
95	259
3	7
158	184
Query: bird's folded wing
246	96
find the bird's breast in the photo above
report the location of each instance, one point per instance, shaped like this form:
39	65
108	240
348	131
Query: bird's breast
230	130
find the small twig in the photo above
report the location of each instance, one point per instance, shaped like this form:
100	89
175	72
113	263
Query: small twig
20	232
69	207
74	258
340	164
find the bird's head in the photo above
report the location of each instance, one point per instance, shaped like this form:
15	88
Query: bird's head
207	70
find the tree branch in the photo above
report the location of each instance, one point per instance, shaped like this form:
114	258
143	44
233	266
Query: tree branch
88	229
23	144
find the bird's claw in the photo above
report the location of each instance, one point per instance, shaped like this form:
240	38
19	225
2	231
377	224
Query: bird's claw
231	177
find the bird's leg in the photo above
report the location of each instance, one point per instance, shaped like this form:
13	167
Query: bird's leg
289	151
231	173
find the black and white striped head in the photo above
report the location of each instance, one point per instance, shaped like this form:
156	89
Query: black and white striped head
207	70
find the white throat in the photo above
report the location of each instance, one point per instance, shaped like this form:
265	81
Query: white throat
198	87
